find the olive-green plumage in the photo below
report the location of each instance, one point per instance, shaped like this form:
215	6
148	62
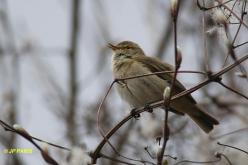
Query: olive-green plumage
130	60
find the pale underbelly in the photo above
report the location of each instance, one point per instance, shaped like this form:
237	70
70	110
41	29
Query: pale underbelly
142	91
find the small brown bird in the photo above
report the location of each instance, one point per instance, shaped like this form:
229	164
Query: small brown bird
130	60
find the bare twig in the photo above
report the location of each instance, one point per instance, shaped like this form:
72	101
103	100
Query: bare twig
72	103
231	51
178	60
206	59
242	18
212	7
240	44
220	155
229	133
246	152
198	162
230	10
233	90
29	138
14	73
114	159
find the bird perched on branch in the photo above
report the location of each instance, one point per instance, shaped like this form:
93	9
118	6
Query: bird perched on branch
130	60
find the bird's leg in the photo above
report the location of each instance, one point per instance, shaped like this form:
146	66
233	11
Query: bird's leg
134	113
213	78
158	140
148	108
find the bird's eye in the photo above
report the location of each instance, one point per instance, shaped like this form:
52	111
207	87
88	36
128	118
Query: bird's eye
120	54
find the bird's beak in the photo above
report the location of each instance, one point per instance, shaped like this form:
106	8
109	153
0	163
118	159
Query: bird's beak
113	47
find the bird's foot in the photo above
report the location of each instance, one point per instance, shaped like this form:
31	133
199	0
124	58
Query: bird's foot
158	140
134	114
148	108
213	78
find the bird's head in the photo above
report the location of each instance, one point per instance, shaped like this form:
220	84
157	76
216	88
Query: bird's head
126	49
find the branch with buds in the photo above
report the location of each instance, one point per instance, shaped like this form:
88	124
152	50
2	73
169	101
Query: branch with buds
169	90
43	150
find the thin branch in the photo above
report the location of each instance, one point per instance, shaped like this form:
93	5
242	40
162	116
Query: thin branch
198	162
72	103
11	129
233	90
212	7
240	44
220	155
229	133
99	114
29	138
242	18
153	157
206	59
114	159
246	152
231	51
162	72
178	60
230	10
15	73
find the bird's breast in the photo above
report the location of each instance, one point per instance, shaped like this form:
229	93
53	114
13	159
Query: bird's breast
141	90
121	68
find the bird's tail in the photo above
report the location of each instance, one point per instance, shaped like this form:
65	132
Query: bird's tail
203	120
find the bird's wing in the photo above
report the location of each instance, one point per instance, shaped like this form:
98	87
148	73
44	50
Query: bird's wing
155	65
